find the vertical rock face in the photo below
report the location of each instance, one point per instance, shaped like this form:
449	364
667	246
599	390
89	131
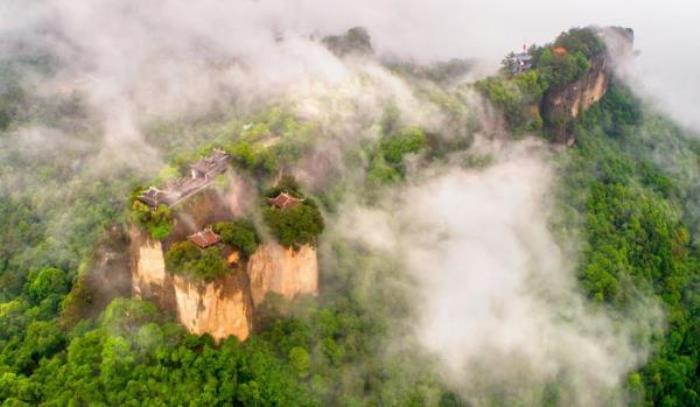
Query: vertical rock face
224	306
561	105
148	275
221	308
579	95
565	103
285	271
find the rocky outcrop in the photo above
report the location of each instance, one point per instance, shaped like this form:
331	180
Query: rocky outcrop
284	271
221	308
563	104
148	276
226	305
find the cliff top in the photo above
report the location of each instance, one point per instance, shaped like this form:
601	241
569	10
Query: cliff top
528	82
201	175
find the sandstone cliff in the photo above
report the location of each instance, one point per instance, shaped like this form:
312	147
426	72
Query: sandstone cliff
285	271
221	308
563	104
225	306
148	276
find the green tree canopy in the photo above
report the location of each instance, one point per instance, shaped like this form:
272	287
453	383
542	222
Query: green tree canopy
295	226
47	281
186	258
239	233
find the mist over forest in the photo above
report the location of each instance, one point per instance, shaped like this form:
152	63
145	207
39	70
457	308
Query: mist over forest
370	203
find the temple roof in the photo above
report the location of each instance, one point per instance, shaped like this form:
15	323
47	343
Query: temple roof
203	173
283	200
214	164
205	238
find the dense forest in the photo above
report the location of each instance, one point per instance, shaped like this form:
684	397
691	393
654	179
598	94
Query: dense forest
630	180
626	190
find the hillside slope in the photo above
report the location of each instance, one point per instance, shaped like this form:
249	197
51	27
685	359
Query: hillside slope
371	150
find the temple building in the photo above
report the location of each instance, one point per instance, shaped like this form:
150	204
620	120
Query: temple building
283	201
205	238
202	173
520	62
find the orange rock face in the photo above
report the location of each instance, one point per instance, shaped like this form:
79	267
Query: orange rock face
225	306
148	276
563	104
221	308
285	271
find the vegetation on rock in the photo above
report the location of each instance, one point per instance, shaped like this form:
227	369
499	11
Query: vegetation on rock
240	234
295	226
187	259
157	222
520	95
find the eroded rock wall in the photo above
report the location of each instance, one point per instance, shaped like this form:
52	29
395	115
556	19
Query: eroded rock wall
148	276
224	306
285	271
563	104
221	308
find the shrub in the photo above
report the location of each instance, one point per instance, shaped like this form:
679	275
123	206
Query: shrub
295	226
581	40
380	173
186	258
157	222
45	282
167	173
408	140
300	361
125	314
239	233
518	98
557	70
504	94
77	303
254	158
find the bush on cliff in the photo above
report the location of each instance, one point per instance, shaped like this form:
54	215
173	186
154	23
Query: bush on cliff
239	233
558	70
582	40
154	221
186	258
295	226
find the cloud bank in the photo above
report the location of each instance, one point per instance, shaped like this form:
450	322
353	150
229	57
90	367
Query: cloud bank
496	296
137	60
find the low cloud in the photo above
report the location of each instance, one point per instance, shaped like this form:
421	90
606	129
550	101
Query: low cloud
495	294
134	62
